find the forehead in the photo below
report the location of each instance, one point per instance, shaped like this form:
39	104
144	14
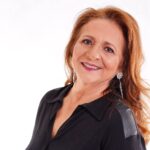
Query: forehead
103	29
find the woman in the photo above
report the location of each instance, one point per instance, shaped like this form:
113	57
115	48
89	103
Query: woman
100	107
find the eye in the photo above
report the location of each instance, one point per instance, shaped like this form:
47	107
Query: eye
87	42
109	50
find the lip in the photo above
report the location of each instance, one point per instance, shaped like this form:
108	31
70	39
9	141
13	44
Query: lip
89	69
91	64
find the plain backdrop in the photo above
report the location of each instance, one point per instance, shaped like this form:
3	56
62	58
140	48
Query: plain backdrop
33	36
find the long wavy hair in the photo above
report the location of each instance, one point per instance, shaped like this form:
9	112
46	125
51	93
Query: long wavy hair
134	86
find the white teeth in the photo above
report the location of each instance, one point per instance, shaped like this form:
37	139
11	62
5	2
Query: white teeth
91	67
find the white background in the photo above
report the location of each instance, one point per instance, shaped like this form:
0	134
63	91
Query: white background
33	36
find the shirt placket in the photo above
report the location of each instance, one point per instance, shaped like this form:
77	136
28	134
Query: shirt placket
68	123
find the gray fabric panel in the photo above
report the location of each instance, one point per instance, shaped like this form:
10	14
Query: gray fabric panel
129	124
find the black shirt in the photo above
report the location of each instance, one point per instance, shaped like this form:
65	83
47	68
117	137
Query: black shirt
92	126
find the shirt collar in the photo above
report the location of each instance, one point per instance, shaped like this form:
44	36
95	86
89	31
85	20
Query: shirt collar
97	108
57	95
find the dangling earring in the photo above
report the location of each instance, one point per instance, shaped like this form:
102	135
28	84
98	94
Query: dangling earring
74	76
119	76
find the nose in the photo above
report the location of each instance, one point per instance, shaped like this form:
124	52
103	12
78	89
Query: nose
94	53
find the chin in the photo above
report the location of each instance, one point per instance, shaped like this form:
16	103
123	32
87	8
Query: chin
90	81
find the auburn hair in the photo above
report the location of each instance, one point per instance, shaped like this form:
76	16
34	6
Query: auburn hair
135	90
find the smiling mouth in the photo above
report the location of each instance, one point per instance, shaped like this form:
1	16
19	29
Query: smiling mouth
90	67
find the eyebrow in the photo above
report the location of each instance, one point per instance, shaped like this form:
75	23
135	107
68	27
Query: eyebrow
105	42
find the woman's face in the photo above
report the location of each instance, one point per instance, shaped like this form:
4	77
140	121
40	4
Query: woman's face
97	54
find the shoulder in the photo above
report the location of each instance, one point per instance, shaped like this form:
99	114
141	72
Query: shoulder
128	120
121	131
123	120
48	96
56	94
51	94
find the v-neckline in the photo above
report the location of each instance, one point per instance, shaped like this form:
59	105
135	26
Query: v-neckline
52	137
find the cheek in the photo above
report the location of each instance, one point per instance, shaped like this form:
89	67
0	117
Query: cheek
112	63
77	52
75	55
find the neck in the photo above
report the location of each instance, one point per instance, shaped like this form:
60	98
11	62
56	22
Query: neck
83	92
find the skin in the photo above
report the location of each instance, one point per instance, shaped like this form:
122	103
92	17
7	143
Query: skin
101	42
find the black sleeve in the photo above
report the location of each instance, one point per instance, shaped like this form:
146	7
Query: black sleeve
135	142
115	139
38	115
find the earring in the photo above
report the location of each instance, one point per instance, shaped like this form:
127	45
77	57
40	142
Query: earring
119	76
74	76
